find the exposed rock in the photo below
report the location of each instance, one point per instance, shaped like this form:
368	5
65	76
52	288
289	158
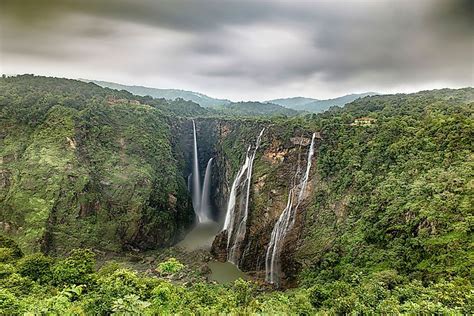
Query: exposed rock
302	141
219	247
72	142
172	200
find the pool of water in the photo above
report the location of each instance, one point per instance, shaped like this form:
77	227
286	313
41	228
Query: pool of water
224	272
201	237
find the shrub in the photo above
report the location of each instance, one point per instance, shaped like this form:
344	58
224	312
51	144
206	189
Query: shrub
7	255
6	242
36	267
17	284
244	292
318	294
6	269
170	266
166	297
9	304
75	269
117	285
129	305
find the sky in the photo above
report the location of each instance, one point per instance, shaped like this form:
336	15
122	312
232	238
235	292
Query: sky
245	49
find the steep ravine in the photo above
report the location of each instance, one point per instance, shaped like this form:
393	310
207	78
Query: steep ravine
281	151
278	157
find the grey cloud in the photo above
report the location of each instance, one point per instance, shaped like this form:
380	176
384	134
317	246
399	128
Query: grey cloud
246	47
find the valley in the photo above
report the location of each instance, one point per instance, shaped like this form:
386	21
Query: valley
313	213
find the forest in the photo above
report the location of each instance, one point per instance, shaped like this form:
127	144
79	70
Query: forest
93	182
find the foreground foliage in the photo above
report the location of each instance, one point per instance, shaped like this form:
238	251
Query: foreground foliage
38	285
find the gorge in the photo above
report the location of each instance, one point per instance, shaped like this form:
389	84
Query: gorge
316	205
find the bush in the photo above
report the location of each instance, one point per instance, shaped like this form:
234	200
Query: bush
117	285
9	304
75	269
6	269
170	266
129	305
6	242
7	255
166	297
17	284
36	267
244	292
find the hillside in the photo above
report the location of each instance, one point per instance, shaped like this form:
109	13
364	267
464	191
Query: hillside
81	168
317	106
169	94
252	109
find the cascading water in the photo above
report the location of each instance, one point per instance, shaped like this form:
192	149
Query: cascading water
205	205
190	178
196	179
236	217
285	222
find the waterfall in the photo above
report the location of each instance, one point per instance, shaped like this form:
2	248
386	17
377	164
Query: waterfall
206	188
236	216
190	178
286	221
196	189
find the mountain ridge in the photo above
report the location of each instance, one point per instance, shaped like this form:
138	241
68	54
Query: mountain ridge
298	103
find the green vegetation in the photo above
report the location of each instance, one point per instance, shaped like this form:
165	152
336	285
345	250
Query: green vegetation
170	266
388	228
83	166
39	285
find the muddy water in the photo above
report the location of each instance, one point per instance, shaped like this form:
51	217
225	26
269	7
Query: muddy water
224	272
201	237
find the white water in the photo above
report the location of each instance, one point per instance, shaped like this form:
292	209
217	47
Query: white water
285	222
236	216
205	205
201	210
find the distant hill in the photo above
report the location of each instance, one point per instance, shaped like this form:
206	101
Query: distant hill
169	94
315	105
277	107
251	108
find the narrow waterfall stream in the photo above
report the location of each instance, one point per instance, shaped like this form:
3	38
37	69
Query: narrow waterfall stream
205	205
196	189
237	208
285	222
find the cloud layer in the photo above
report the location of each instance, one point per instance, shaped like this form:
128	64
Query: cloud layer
244	49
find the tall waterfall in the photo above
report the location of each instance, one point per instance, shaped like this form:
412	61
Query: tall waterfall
286	221
196	177
205	205
237	208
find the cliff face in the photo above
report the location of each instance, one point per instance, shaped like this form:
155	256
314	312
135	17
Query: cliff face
280	154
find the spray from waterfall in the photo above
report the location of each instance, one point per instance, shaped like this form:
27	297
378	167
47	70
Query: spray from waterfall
286	221
206	192
237	208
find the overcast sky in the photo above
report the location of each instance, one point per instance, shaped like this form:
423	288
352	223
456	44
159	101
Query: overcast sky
244	49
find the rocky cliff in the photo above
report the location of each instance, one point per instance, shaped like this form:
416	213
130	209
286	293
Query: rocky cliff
283	150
